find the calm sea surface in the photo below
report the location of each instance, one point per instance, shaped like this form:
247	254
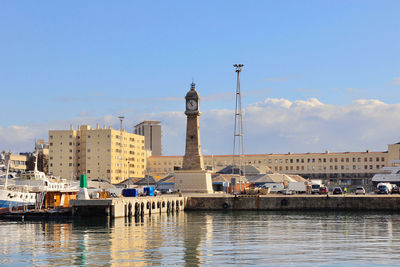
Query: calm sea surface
207	238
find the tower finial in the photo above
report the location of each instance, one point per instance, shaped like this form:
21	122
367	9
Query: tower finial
192	85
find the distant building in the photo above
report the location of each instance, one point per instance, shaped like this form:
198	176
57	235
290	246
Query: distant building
17	162
101	153
151	130
346	168
42	146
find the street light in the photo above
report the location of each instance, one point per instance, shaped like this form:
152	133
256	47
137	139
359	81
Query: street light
121	118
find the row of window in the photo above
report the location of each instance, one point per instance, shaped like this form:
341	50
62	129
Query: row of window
110	171
282	161
70	136
302	168
78	144
18	162
325	168
168	163
108	136
88	164
322	160
108	150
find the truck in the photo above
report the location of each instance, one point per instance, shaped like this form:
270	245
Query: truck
315	185
384	188
298	187
292	188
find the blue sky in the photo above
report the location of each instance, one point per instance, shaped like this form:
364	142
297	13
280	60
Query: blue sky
78	61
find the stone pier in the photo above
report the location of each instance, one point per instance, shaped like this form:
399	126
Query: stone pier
127	206
294	202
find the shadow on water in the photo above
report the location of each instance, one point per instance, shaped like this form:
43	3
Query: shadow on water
92	222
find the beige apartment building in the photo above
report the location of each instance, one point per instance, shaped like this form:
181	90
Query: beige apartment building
18	163
342	168
100	153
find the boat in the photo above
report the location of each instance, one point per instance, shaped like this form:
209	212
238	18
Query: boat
32	187
389	174
14	196
11	175
39	182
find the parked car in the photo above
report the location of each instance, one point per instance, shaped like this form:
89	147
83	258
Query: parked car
166	191
396	190
315	188
383	188
360	190
323	190
337	191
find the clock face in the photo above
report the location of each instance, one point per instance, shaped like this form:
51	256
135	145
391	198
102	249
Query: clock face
191	104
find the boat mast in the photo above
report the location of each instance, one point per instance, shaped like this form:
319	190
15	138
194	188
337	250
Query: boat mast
8	169
36	157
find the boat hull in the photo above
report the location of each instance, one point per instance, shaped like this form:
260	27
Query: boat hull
12	198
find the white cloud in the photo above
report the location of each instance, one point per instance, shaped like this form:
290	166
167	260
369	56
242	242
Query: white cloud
274	102
396	80
311	126
270	126
367	102
280	126
16	137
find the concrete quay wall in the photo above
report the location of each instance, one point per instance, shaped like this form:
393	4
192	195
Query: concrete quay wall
296	202
127	206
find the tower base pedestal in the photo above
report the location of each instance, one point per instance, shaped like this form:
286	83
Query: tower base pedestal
83	194
193	181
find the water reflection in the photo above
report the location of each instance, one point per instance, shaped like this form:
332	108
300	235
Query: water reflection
207	238
149	239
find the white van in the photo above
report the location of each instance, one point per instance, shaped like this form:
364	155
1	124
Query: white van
274	187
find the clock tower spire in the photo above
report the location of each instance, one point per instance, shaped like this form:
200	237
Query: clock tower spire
193	178
193	160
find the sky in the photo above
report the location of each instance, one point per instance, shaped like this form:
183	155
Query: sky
318	75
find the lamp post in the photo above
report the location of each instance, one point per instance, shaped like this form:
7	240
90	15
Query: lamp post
145	170
121	118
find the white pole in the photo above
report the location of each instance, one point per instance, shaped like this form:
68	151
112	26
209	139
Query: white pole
8	168
36	157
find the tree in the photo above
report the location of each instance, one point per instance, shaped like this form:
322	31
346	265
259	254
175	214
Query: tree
42	165
30	163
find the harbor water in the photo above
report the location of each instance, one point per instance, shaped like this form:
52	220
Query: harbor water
207	238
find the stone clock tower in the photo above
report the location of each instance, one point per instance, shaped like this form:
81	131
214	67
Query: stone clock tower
193	178
193	159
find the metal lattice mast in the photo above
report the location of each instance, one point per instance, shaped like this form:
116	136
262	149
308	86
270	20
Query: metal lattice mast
238	146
